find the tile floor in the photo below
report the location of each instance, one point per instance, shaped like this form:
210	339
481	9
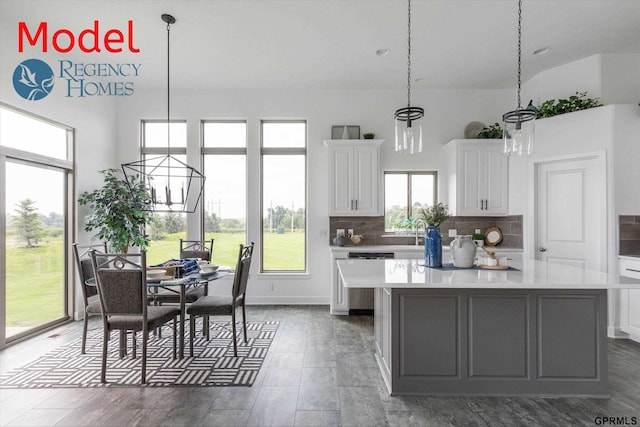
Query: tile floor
320	371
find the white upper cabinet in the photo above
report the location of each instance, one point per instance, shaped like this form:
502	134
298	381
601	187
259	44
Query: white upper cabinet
478	177
353	177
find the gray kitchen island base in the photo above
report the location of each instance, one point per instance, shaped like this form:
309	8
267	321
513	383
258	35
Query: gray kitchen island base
492	342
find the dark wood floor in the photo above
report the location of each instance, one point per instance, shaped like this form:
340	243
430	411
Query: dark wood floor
320	371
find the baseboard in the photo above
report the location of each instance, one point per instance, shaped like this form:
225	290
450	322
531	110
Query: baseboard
361	312
283	300
616	332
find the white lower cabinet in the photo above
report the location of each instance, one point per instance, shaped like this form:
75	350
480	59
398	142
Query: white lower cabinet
630	299
382	329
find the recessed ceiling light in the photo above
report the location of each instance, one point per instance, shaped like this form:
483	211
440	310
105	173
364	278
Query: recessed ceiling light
382	52
542	51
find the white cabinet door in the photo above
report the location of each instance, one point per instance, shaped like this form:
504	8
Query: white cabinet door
630	299
365	177
353	177
340	176
339	294
481	178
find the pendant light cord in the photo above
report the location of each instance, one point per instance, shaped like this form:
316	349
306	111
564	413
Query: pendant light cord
168	91
519	49
409	54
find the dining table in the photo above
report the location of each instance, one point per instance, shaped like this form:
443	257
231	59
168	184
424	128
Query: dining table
183	284
180	286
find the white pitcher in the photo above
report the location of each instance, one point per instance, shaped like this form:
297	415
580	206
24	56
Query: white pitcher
463	251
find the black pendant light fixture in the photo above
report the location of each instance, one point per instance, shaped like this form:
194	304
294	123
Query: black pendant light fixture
519	123
174	186
409	119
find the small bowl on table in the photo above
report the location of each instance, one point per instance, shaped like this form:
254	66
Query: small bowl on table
156	274
208	268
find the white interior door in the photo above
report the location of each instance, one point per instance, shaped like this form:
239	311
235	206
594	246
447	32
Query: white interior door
570	200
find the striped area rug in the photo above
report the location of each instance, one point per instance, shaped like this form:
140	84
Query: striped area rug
213	363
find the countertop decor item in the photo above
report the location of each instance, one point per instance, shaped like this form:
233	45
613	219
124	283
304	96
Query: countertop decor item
472	129
463	251
493	236
174	186
409	119
433	247
368	135
435	215
519	123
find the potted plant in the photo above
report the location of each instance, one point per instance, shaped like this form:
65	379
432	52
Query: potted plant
435	215
492	132
369	135
119	211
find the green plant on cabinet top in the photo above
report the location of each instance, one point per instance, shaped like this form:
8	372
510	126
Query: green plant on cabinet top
576	102
491	132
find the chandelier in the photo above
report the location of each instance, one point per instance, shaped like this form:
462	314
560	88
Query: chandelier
519	123
409	119
173	185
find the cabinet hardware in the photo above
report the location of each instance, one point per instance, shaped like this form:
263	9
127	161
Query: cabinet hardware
351	204
356	204
541	249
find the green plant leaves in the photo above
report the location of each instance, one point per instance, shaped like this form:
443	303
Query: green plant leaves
576	102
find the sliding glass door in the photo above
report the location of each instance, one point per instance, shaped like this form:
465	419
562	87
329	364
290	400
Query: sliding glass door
35	177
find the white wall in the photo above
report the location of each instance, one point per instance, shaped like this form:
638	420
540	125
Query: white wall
614	78
447	113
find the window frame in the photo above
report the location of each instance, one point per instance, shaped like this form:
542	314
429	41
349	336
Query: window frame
409	174
212	151
68	168
284	151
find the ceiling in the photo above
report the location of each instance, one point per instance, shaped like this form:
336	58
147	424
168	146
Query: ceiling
331	44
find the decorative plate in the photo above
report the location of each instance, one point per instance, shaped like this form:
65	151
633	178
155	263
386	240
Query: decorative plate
472	130
492	236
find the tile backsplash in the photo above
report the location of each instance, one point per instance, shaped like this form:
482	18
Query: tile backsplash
629	226
372	228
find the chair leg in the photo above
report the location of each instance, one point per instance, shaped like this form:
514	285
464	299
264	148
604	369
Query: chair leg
145	337
123	343
233	328
244	323
133	344
192	326
175	339
105	342
205	320
84	333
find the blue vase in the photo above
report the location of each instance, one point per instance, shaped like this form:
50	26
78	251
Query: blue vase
433	247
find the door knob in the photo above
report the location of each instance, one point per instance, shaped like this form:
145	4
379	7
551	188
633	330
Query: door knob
541	249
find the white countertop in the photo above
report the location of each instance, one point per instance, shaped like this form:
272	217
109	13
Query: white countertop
404	273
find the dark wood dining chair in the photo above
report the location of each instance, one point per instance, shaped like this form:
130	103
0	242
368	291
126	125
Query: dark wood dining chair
85	272
212	305
189	249
196	249
122	288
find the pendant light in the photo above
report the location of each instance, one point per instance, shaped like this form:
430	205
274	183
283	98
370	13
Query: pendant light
409	119
174	186
519	123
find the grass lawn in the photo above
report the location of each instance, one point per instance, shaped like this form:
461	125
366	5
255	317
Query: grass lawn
35	279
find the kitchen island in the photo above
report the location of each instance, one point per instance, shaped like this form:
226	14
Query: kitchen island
537	330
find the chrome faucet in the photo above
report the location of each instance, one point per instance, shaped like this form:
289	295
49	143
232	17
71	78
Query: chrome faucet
417	226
